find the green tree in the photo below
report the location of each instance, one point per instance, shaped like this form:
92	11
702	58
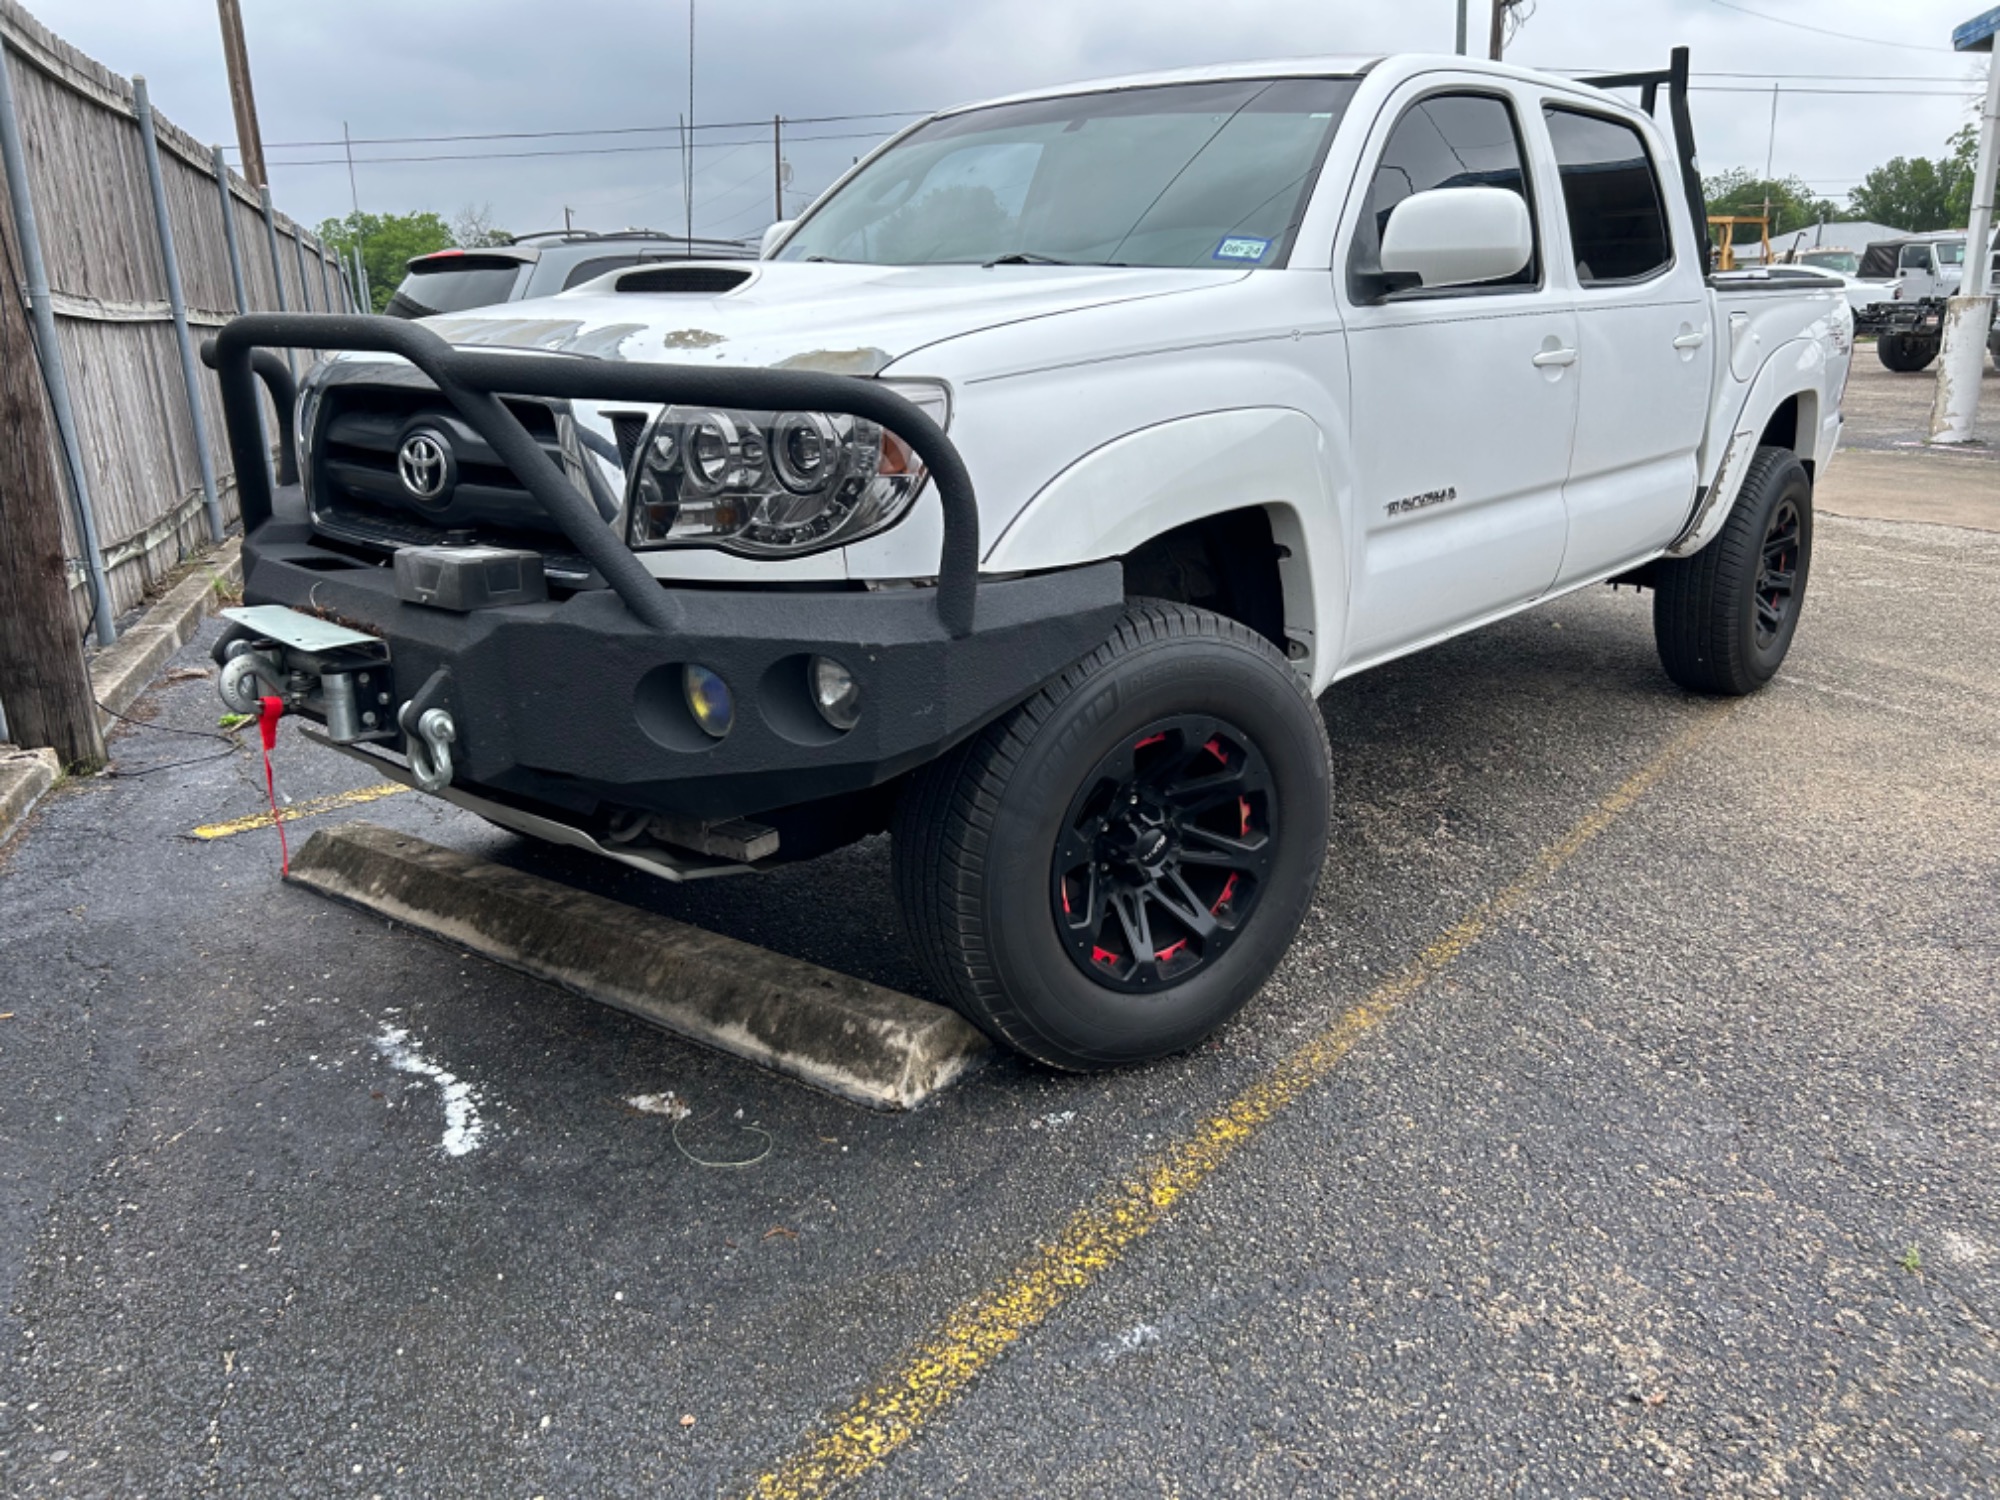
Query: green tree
1963	150
387	242
1917	194
1791	203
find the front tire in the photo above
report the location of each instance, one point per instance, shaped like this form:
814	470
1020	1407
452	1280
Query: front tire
1724	618
1113	869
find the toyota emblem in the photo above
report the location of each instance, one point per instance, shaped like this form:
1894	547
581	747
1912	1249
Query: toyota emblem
424	465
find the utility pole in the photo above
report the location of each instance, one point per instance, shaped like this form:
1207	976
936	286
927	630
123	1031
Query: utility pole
249	143
1496	38
1969	316
777	167
1461	27
47	686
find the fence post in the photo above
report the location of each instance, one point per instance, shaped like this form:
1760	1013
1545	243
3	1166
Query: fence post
305	287
325	286
41	660
361	282
142	105
29	237
235	256
229	230
277	265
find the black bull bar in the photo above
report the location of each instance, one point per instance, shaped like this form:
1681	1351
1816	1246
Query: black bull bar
473	381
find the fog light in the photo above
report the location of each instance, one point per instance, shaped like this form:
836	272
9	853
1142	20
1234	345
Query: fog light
835	693
709	700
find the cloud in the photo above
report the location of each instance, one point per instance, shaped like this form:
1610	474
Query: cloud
470	66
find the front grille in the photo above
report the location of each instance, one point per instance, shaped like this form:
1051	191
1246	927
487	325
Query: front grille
358	493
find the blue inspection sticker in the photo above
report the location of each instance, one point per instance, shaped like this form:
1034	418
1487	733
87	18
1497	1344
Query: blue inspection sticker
1241	248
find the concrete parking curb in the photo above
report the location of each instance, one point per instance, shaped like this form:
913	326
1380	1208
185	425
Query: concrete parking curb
120	673
24	776
868	1044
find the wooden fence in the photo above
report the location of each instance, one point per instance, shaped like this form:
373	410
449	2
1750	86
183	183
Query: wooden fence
94	205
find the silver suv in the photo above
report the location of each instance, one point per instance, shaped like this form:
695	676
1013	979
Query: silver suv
540	265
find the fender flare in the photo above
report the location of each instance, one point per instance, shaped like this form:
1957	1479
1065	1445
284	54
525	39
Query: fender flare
1151	480
1791	369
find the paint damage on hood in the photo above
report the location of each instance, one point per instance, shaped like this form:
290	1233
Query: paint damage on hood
836	318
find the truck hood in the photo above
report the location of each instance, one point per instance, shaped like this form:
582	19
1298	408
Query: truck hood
843	319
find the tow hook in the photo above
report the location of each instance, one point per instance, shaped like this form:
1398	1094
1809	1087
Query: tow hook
429	746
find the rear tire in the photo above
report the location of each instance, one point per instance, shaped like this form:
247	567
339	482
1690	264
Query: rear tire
1113	869
1724	618
1905	353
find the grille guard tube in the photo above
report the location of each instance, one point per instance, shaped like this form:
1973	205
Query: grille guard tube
472	379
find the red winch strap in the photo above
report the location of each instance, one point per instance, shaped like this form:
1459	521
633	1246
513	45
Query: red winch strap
267	725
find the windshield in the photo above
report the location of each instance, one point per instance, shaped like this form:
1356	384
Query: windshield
1201	174
1847	262
1951	253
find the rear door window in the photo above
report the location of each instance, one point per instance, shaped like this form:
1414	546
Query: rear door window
454	284
1611	195
1445	141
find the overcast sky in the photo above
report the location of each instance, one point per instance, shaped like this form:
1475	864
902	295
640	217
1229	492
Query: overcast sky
459	67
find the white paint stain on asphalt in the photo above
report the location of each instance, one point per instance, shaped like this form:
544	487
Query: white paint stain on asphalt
463	1129
661	1104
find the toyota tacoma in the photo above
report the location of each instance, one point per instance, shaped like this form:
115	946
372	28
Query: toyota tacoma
1022	499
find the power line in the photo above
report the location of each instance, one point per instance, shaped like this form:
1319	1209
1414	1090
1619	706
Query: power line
548	135
1845	36
1732	88
674	146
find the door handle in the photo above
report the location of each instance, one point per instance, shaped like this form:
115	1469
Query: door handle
1690	341
1554	357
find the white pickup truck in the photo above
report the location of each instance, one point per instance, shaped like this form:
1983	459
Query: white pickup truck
1027	493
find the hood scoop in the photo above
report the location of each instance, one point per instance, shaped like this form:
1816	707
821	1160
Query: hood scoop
704	281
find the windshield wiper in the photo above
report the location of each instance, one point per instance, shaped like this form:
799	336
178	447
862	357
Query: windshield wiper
1024	258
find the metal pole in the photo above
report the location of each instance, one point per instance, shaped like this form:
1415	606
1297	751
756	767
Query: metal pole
325	285
142	106
1496	40
1968	317
305	287
43	308
229	230
277	266
1461	27
778	163
361	279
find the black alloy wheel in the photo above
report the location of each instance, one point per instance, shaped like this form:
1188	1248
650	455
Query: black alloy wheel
1724	617
1164	852
1776	587
1108	872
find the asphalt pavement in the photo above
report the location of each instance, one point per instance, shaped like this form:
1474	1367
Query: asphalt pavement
1668	1171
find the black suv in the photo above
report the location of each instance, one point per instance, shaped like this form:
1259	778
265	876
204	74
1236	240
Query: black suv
540	265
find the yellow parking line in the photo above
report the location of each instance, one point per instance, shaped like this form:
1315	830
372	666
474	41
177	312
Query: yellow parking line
981	1330
312	807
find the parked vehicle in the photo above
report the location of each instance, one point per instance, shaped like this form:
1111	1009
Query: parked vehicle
1024	499
539	265
1917	275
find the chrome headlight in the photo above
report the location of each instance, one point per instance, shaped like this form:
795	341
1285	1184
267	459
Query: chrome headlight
773	484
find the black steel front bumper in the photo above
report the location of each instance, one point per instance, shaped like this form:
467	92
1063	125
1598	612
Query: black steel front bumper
577	703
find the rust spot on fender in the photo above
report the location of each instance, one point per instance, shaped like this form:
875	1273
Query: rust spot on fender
690	338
